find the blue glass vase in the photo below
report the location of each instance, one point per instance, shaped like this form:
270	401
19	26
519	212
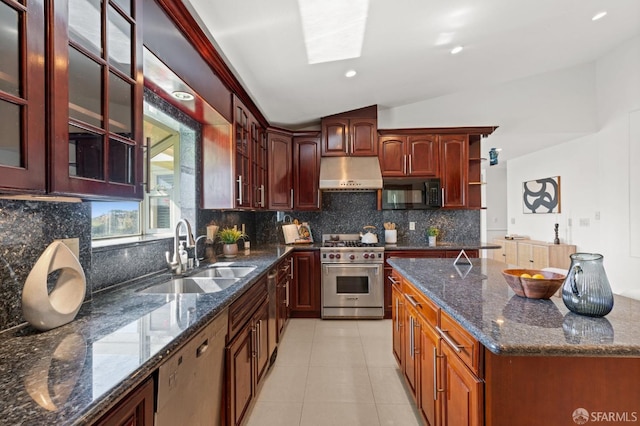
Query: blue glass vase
586	289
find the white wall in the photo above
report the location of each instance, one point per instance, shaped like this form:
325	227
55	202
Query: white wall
595	176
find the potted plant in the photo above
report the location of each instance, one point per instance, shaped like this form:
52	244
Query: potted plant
432	233
229	238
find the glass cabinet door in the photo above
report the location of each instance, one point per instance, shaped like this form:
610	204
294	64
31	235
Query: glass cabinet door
22	109
96	99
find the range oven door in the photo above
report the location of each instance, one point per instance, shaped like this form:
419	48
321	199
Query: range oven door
354	291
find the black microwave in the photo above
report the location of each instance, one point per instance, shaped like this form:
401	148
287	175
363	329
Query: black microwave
404	194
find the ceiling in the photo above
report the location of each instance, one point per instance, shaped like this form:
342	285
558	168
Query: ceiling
406	67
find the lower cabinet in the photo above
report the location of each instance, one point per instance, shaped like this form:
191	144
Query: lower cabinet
136	409
248	361
282	295
304	299
247	351
440	361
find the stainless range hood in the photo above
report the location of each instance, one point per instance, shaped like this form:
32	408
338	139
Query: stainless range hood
350	174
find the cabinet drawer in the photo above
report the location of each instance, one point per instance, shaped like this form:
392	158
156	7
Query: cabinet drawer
242	309
464	345
425	307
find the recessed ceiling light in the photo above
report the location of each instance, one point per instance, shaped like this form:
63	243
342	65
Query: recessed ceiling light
350	73
599	15
182	96
456	50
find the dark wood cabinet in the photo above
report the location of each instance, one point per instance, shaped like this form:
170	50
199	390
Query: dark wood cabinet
280	171
397	319
22	97
259	166
411	347
462	391
247	354
454	166
306	172
440	360
305	287
243	126
95	87
135	409
343	135
430	394
282	294
409	155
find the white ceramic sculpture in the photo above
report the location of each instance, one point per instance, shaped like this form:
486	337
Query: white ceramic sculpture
45	310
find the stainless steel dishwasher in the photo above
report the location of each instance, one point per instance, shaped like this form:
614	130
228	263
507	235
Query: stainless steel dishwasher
190	382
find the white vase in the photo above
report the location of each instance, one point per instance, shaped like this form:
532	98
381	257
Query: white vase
230	250
432	241
46	310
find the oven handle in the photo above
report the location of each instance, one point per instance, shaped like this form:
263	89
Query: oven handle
377	267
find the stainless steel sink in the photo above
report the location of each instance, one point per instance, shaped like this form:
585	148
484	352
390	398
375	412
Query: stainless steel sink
190	285
225	272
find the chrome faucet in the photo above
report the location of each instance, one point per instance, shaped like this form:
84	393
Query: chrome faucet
196	260
176	264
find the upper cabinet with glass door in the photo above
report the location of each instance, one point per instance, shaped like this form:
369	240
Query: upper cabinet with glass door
96	98
22	96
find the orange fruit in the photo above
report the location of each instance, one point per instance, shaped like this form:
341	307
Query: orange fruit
538	277
525	275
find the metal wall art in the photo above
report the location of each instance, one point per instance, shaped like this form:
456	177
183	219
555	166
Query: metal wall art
541	195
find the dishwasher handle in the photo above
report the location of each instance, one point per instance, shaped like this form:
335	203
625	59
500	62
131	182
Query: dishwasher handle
202	348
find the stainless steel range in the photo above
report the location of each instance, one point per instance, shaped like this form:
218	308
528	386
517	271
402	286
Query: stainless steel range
352	277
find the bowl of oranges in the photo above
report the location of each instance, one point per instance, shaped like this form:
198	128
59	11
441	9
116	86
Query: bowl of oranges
533	283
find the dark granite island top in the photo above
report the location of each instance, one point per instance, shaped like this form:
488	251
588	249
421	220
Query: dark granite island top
73	374
479	298
442	245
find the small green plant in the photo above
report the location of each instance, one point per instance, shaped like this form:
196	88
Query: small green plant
230	235
432	231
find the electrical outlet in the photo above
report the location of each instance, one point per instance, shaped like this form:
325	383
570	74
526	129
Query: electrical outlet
569	222
597	215
584	221
412	226
73	244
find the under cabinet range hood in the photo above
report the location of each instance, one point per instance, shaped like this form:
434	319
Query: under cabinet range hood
350	174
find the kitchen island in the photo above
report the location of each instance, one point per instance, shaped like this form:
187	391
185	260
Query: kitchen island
467	344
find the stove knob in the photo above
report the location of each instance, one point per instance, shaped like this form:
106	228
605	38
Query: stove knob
352	256
372	256
366	255
338	256
331	256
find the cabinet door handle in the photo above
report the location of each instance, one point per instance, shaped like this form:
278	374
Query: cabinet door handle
202	348
261	195
445	335
291	198
442	190
397	316
411	336
404	164
410	165
239	190
412	300
258	333
436	390
393	280
318	203
147	174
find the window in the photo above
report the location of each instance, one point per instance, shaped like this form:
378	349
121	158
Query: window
164	200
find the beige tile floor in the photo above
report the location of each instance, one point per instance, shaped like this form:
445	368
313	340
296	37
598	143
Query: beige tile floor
334	372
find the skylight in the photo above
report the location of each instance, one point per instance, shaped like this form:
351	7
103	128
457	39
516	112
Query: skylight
333	29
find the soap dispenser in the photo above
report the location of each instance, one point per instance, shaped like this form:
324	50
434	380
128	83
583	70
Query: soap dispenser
184	256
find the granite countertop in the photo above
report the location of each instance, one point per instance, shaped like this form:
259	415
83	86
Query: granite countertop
73	374
479	298
467	245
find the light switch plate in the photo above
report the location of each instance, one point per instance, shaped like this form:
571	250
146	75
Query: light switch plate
412	226
73	244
